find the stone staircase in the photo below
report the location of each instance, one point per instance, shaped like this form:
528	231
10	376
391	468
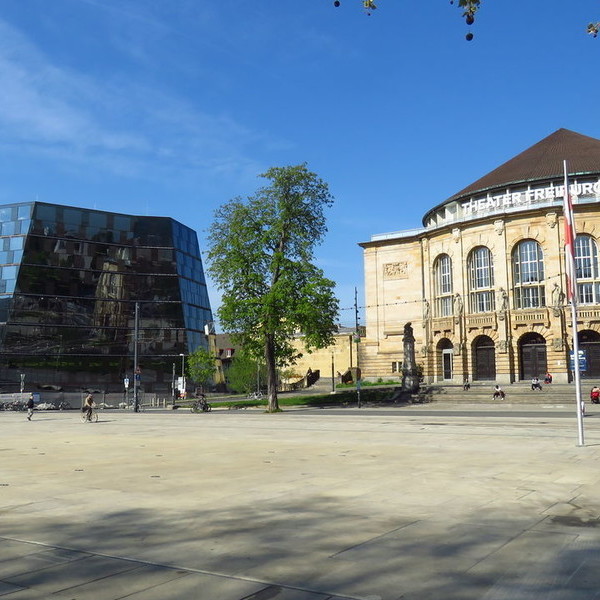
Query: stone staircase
516	393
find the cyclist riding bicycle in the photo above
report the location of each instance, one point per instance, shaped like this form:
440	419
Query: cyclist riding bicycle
88	406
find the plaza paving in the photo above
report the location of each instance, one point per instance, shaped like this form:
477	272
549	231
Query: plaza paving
302	505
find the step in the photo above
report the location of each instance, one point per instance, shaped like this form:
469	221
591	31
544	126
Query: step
515	394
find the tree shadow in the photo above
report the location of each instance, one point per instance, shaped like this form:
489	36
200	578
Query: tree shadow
317	546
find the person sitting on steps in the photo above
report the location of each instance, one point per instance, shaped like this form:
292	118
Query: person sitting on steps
498	393
535	384
595	395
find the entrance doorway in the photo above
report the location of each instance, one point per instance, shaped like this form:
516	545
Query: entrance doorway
532	356
589	342
484	358
445	358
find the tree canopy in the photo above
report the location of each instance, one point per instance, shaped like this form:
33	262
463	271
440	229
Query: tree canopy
246	373
201	366
469	8
260	256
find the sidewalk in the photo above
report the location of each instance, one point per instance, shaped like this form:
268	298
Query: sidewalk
233	505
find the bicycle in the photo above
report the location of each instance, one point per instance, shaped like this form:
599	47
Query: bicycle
93	417
255	396
200	405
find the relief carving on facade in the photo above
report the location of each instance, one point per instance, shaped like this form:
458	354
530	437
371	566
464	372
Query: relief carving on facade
456	234
551	219
502	346
395	270
499	226
557	344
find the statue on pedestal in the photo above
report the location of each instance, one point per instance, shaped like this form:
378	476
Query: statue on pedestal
410	376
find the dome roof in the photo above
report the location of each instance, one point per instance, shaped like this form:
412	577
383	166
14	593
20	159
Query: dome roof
543	160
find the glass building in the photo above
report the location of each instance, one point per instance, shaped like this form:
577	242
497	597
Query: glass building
70	279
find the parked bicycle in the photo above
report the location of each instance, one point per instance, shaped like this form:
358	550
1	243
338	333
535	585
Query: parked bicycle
201	405
255	395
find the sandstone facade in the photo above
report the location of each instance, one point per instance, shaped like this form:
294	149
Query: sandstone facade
483	282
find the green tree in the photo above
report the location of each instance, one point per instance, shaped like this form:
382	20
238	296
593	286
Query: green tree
245	373
260	257
201	366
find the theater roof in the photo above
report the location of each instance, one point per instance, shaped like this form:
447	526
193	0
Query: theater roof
543	160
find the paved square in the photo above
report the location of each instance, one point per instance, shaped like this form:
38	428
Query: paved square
302	505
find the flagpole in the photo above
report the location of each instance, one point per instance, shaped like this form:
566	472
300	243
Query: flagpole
572	296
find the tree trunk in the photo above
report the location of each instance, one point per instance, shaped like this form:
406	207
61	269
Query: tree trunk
273	405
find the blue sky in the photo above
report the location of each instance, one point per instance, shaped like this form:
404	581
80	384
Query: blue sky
173	107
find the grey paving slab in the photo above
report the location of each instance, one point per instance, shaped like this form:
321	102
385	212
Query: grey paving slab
299	506
7	588
138	580
13	549
198	586
42	558
53	579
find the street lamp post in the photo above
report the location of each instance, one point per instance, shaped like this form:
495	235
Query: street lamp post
136	376
332	374
173	395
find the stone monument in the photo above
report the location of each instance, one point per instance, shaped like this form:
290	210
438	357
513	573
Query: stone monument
410	376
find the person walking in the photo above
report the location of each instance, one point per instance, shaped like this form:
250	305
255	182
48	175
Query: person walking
30	404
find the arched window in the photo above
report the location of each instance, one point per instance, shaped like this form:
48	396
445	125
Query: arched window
443	286
480	267
528	275
586	267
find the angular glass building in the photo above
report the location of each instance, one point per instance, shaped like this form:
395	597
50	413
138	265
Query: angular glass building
70	279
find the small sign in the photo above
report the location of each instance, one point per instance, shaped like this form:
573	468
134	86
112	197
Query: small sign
582	360
126	382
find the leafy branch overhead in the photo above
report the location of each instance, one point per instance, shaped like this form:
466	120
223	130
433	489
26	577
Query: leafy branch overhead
469	8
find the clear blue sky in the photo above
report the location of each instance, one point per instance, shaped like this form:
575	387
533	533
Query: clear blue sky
172	107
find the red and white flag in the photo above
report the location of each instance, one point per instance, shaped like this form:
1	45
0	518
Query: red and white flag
569	241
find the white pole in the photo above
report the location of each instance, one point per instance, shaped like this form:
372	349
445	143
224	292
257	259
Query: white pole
579	404
572	295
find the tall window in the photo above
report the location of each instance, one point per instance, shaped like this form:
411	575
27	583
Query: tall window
528	275
481	280
443	286
586	268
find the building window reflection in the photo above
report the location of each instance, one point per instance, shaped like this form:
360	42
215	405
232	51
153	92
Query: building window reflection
76	276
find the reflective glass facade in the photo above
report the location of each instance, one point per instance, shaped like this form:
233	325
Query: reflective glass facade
69	282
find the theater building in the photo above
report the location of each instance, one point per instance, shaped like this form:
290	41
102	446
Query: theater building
70	280
482	283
